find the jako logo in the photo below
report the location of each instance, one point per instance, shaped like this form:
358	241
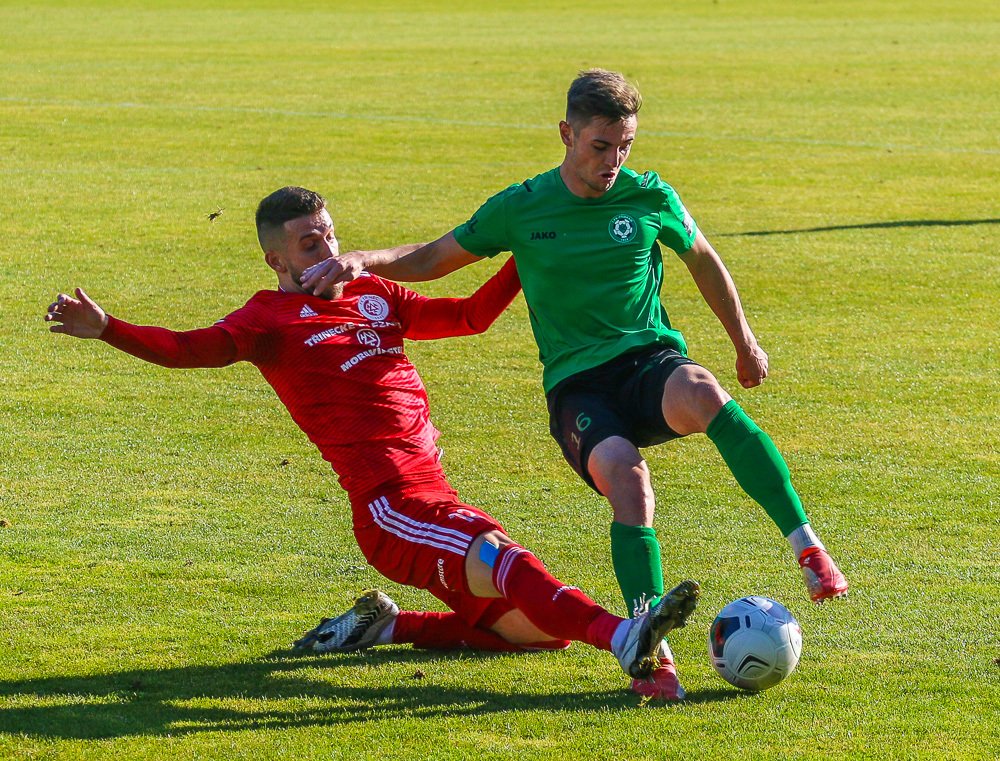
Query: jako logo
543	236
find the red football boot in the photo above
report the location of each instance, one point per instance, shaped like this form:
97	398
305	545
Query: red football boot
823	579
662	683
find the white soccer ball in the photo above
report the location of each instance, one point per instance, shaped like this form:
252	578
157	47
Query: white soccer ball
754	643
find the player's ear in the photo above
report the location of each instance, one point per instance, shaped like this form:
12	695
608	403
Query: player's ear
274	262
566	133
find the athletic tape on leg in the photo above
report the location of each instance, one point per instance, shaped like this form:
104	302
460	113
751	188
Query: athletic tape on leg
488	554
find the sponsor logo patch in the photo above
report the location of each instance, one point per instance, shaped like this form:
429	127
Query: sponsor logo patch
688	223
563	588
308	311
345	366
368	337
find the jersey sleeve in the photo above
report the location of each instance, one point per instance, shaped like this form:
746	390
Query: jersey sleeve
426	318
250	328
205	347
677	227
485	234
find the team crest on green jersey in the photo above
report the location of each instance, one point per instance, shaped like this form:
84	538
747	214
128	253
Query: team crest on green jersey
623	228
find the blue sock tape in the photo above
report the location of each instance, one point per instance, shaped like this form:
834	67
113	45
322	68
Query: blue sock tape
488	553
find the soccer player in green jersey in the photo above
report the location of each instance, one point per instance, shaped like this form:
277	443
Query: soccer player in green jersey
585	236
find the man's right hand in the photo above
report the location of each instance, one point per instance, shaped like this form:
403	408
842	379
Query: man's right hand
79	317
751	366
337	269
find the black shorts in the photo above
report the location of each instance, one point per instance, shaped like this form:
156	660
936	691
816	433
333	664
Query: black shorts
623	397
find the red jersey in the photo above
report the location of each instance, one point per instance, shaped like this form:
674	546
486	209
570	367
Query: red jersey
338	365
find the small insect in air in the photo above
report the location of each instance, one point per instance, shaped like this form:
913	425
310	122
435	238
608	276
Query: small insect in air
215	214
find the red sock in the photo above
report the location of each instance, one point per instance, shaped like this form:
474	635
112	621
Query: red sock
561	611
445	631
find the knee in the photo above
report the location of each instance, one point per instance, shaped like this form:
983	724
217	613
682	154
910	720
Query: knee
692	399
616	460
620	473
706	392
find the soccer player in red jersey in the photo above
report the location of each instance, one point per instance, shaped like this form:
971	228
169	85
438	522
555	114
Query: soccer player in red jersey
336	360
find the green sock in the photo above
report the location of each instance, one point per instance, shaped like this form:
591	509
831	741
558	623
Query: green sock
635	554
757	465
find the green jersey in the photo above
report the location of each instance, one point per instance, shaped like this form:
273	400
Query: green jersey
591	268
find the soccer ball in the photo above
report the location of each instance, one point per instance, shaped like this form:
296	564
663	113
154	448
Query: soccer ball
754	643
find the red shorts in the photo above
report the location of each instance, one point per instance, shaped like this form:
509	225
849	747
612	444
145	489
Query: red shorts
419	536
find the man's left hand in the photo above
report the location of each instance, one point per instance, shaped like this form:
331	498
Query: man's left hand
79	317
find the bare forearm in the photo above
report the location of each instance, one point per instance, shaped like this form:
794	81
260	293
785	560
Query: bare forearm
719	291
416	262
411	262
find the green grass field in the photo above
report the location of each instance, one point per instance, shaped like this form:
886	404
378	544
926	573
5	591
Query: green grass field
164	535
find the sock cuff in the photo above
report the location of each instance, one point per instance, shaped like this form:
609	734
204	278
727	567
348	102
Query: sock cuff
623	531
504	562
802	538
731	418
602	630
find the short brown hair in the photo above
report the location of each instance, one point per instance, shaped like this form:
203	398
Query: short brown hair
598	93
283	205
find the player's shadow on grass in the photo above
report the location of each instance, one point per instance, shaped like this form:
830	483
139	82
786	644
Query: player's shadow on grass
867	226
280	692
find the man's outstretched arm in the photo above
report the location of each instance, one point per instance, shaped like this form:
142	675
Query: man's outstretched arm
81	317
425	318
412	262
719	291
